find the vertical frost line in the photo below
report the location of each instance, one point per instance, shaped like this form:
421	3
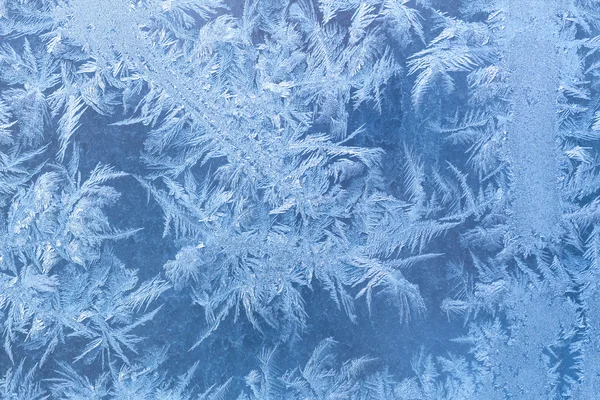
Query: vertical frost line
533	58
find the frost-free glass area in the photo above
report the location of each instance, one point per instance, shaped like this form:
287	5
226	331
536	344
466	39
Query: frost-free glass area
299	199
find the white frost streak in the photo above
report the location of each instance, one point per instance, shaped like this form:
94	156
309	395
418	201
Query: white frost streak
533	56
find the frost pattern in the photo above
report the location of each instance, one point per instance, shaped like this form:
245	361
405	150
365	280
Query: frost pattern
297	199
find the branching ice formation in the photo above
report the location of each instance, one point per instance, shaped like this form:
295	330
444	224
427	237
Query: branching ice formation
375	199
